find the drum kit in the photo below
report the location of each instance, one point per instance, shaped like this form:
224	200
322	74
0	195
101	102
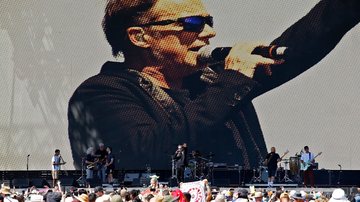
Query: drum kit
198	167
289	173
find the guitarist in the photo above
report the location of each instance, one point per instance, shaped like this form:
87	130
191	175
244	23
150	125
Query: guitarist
308	157
271	161
101	155
90	165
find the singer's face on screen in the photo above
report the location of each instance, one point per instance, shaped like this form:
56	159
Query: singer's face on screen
175	45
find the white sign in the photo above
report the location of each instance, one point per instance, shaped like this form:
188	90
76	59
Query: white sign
195	189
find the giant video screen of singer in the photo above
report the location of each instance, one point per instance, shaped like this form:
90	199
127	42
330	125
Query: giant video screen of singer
165	93
183	81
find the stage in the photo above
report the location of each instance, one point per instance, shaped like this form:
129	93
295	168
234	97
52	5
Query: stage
220	177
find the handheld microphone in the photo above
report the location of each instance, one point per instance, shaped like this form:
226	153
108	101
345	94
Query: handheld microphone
210	54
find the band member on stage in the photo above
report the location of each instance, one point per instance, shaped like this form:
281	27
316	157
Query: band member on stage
308	158
180	161
110	164
271	161
56	162
90	165
101	154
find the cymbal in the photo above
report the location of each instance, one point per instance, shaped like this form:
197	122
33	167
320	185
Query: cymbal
204	159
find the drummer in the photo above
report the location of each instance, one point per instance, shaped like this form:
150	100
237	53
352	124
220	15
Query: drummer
271	161
197	163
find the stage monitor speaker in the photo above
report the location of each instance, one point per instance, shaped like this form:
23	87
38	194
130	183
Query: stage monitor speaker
129	177
95	182
136	182
20	183
39	182
226	177
222	182
145	178
68	181
132	179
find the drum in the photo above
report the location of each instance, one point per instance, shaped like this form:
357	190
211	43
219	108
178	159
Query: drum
294	165
188	173
192	164
280	172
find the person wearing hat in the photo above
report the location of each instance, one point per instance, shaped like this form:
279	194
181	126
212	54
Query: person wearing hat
5	192
243	196
338	195
258	196
82	198
154	184
298	197
220	198
53	195
116	198
101	196
99	191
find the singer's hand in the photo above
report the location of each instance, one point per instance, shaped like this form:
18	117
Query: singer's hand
240	59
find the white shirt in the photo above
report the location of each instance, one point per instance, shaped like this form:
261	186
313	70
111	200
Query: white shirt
103	198
55	159
307	156
9	199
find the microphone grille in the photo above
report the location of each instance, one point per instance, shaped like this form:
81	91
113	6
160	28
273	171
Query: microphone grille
204	54
281	50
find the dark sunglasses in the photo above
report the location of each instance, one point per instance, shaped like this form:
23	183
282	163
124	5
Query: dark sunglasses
190	23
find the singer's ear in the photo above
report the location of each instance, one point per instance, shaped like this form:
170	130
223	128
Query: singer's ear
138	37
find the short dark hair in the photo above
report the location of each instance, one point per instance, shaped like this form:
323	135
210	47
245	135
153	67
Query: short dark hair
57	150
187	195
98	189
82	191
306	147
92	197
119	15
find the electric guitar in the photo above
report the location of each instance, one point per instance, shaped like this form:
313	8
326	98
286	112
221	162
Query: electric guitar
92	165
306	165
267	160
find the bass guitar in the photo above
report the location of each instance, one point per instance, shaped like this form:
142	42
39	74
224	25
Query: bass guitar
267	160
306	165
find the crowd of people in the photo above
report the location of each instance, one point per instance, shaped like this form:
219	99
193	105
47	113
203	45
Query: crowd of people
162	193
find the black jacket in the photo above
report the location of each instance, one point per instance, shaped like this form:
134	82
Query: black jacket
122	109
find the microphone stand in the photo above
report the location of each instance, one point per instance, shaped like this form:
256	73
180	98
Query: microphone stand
27	169
339	176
